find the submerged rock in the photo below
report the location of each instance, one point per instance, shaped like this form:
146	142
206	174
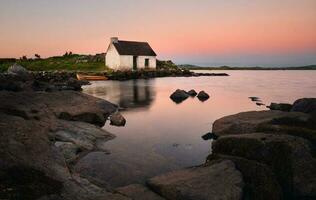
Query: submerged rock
203	96
117	119
179	95
220	180
280	106
192	93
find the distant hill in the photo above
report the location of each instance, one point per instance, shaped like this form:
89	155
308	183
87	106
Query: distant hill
194	67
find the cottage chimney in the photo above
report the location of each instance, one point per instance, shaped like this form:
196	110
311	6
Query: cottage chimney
114	39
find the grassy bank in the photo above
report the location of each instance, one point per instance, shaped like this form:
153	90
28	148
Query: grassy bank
73	62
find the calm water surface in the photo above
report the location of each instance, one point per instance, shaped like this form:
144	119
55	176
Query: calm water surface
161	135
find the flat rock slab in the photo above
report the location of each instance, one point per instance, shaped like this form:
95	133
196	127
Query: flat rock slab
67	105
139	192
250	122
220	181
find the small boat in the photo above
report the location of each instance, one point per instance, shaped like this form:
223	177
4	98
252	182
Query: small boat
91	77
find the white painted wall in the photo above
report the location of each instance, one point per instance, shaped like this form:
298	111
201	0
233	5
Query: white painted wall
112	58
141	62
125	62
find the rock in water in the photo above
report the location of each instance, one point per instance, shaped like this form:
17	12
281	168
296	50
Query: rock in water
220	180
209	136
203	96
280	106
179	95
254	98
192	93
117	119
306	105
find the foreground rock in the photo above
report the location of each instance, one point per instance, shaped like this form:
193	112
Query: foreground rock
260	182
38	147
217	181
289	157
139	192
117	119
203	96
179	95
76	138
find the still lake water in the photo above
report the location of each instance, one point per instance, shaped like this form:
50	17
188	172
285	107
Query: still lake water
161	135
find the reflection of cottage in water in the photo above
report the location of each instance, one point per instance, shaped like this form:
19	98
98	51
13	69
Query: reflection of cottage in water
127	94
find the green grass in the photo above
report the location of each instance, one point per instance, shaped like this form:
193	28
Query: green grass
67	63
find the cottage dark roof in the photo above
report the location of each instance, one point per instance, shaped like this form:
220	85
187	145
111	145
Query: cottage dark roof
134	48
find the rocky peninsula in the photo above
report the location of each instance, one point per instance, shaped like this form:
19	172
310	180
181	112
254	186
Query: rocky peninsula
48	125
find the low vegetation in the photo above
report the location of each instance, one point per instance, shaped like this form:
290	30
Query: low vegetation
166	65
68	62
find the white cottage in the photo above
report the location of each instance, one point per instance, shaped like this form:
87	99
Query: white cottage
130	55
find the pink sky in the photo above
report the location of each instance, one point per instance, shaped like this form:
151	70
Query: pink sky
182	30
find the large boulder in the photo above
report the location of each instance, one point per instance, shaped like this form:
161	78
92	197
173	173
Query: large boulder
221	180
289	157
306	105
34	145
139	192
260	181
179	95
253	121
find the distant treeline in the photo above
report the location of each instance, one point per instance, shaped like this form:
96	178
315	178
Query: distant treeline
194	67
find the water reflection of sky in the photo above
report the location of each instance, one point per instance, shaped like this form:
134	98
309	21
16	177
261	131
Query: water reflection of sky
161	136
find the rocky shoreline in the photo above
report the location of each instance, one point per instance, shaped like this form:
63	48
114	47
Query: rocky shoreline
45	132
120	75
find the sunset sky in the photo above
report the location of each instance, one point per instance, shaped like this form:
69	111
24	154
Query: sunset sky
204	32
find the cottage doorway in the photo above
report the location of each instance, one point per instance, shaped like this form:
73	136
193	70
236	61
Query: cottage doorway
146	63
134	62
